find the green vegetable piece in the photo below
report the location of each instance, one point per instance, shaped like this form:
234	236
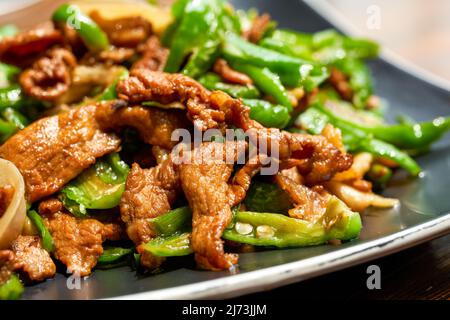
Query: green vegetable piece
7	74
110	92
292	71
196	35
316	117
114	255
173	221
15	117
267	197
92	35
266	81
269	115
47	239
11	289
171	246
211	81
276	230
359	79
99	187
12	97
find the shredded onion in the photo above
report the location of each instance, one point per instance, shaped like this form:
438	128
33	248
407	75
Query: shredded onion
12	221
357	200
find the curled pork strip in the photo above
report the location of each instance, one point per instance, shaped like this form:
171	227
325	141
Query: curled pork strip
50	76
124	32
259	26
108	57
6	195
52	151
211	194
148	193
78	242
155	126
23	48
154	55
222	68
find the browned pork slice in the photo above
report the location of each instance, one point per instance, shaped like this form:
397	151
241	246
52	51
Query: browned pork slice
54	150
205	179
32	259
148	194
78	242
155	126
222	68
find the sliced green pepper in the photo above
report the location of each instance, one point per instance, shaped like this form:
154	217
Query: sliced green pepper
113	257
211	81
7	74
171	246
405	135
92	35
47	239
12	97
110	92
173	221
266	81
276	230
99	187
292	71
269	115
267	197
11	289
196	35
316	117
8	30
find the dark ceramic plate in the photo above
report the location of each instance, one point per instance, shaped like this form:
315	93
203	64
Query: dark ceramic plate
424	212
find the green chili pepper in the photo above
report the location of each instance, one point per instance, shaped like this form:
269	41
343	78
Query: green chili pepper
316	117
15	117
110	92
99	187
267	81
292	71
212	81
7	129
291	43
196	34
114	257
47	239
276	230
12	97
94	38
171	246
406	135
173	221
267	197
11	289
359	79
269	115
7	74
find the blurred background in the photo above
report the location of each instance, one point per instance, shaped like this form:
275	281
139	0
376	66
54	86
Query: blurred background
416	31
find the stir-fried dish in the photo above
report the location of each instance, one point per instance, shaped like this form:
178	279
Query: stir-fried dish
122	143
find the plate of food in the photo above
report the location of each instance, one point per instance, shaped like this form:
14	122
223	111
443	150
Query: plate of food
206	150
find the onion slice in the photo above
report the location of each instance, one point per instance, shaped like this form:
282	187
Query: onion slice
12	221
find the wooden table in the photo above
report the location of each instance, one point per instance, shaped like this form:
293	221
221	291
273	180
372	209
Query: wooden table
421	272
